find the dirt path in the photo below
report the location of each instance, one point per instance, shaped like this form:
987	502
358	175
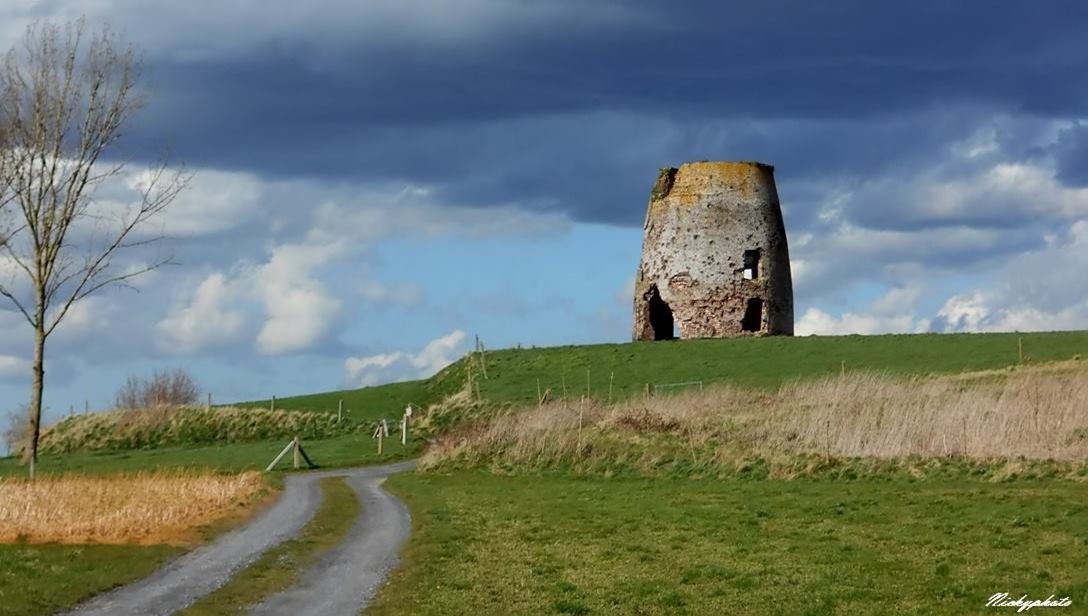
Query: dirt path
347	578
188	578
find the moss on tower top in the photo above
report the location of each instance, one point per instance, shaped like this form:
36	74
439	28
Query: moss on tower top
689	183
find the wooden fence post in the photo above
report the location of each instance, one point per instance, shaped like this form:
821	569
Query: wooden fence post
297	456
339	411
581	411
273	407
277	459
1020	347
611	377
483	360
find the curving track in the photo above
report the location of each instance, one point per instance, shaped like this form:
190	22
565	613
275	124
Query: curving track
342	582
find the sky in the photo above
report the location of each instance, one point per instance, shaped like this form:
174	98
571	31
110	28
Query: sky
376	183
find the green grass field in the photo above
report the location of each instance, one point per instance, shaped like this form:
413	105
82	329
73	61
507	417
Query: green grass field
756	362
361	405
513	374
551	544
350	450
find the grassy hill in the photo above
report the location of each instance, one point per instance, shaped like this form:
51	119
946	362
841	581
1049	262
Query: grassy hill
615	372
648	510
512	375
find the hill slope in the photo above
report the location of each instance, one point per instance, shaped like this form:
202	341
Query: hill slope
513	375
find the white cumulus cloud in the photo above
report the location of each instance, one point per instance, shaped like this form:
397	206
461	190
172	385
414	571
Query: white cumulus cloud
207	321
401	365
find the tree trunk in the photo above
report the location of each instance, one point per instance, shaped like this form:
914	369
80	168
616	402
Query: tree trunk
37	384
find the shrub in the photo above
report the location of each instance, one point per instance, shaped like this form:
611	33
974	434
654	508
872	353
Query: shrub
163	388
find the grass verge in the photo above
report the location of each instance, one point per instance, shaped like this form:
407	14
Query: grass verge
44	578
486	544
283	565
47	578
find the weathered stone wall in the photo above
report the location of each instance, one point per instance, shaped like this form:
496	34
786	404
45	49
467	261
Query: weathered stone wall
707	223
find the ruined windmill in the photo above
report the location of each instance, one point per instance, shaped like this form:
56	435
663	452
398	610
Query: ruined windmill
714	257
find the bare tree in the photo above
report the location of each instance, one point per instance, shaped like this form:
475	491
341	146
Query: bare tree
65	97
162	389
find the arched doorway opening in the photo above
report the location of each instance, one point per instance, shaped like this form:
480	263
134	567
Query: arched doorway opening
660	315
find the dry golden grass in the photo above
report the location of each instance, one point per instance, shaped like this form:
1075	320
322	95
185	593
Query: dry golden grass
1030	414
140	508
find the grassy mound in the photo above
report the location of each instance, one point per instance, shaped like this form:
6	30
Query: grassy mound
168	427
481	386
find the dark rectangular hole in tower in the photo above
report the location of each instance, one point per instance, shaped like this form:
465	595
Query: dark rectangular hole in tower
751	264
753	316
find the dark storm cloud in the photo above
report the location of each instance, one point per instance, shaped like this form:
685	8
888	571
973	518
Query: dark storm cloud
1071	152
578	118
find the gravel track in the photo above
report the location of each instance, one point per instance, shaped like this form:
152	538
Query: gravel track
368	553
346	579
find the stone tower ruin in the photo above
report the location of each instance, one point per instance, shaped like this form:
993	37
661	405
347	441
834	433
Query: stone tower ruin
714	256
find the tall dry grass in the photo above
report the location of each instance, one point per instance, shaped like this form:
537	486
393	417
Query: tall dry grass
171	426
142	507
1020	415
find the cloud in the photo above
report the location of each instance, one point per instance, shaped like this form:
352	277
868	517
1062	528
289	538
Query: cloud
1003	196
284	298
1071	152
401	365
606	92
300	310
214	202
1035	290
1039	290
14	368
207	322
202	29
984	312
892	313
816	321
404	294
